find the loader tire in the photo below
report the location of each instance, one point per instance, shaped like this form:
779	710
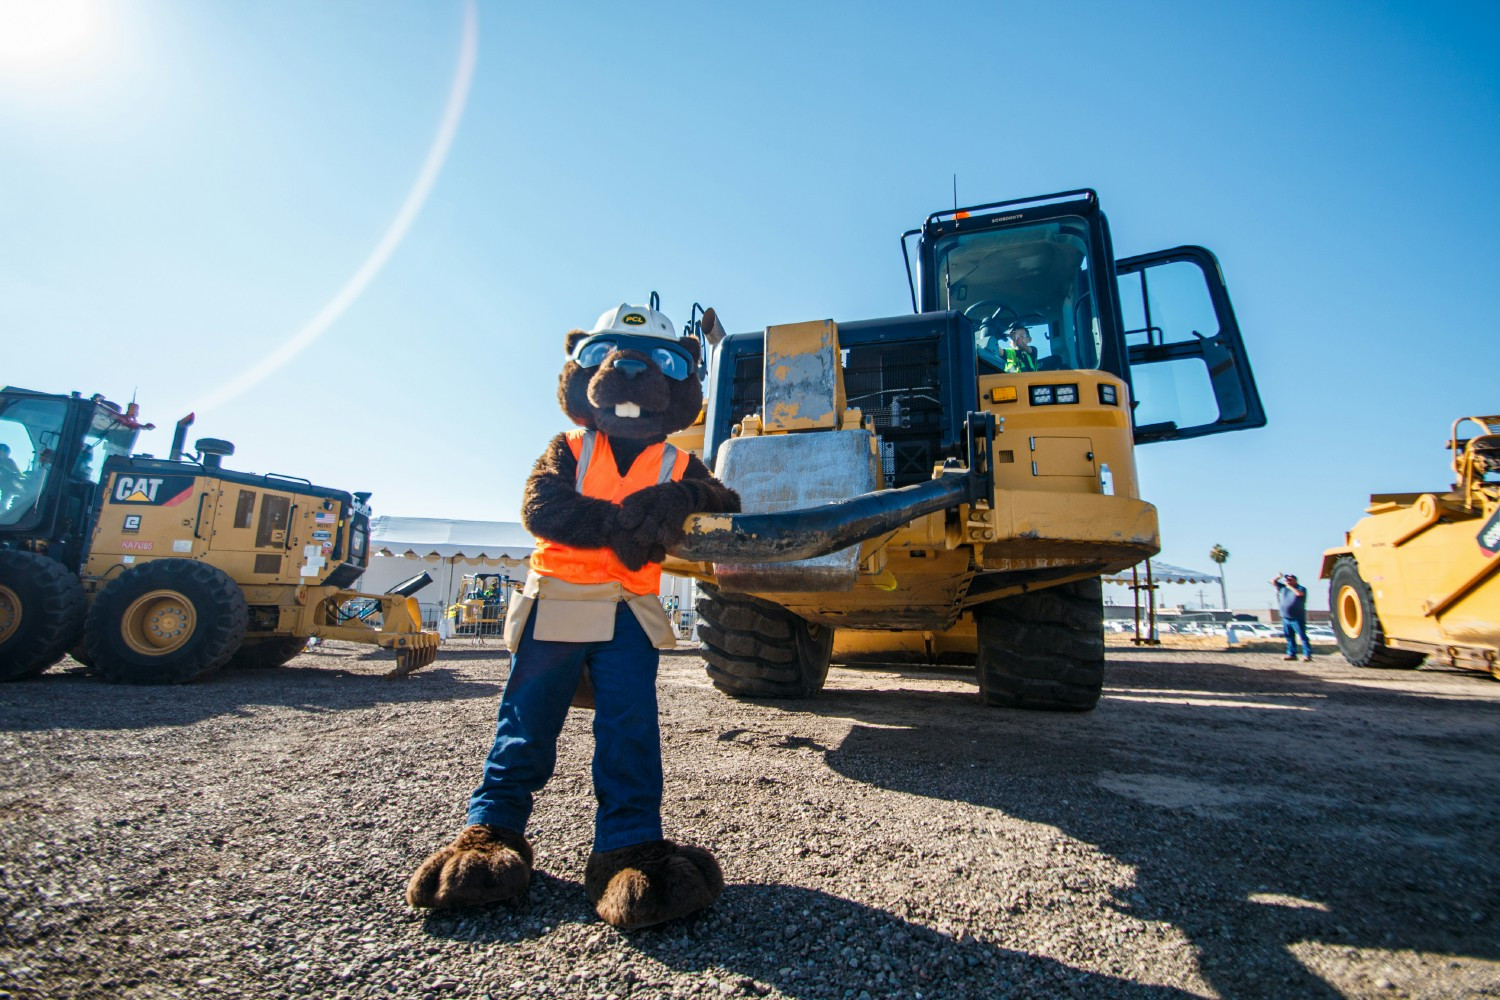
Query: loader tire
41	613
1357	627
262	654
1043	650
756	649
169	621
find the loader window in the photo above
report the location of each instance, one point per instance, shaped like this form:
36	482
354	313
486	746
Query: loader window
30	440
106	437
1171	305
1036	276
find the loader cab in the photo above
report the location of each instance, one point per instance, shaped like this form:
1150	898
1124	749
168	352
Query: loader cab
52	451
1038	282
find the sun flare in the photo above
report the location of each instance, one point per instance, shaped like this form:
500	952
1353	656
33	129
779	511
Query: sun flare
47	34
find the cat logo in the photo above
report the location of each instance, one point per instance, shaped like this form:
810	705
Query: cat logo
164	491
129	489
633	319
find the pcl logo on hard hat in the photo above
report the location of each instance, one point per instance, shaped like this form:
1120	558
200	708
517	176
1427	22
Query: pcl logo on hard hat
633	319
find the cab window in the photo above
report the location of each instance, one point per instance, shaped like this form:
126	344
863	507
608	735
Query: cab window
30	441
1037	279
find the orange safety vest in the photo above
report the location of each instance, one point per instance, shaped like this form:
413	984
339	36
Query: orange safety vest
599	478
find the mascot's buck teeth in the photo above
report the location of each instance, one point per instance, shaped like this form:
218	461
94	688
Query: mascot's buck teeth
627	410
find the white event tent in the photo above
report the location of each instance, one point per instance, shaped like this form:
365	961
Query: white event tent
402	547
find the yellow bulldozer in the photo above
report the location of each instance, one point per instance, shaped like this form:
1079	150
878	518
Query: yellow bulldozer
1416	578
948	486
159	571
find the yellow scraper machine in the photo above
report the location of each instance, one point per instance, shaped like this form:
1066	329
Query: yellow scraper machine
158	571
948	486
1419	576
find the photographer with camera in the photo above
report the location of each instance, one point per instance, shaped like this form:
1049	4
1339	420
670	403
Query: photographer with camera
1291	596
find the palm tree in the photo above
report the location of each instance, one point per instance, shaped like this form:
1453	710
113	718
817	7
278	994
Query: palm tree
1220	554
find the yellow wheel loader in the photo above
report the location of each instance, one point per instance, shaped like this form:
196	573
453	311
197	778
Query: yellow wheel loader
159	571
481	608
1417	577
948	486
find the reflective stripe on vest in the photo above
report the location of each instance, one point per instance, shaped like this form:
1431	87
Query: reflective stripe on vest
586	455
599	478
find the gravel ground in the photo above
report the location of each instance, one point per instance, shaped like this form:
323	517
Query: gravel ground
1225	824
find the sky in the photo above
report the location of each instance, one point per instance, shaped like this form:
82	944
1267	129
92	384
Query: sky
424	197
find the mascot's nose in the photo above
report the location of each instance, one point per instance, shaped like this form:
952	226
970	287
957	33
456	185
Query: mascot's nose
630	367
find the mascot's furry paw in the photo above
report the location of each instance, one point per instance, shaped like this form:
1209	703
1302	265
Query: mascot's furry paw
650	883
649	522
656	513
484	864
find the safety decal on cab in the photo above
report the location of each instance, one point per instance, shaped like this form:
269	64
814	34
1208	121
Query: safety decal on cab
1489	536
157	491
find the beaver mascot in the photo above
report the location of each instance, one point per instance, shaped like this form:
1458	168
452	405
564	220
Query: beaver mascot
604	502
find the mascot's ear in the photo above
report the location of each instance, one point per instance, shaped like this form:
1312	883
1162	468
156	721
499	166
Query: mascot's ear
693	347
574	336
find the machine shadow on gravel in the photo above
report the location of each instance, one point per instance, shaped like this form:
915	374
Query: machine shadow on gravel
314	682
1211	807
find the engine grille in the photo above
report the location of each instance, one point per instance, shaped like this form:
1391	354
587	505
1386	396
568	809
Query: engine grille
895	383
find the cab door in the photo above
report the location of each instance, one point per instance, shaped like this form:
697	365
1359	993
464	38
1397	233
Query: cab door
1189	373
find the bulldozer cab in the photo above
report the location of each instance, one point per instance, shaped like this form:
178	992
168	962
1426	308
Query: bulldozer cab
1037	281
485	587
52	451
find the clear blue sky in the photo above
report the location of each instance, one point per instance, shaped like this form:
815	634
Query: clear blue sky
184	186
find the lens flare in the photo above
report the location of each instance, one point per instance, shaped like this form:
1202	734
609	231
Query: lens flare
300	341
46	33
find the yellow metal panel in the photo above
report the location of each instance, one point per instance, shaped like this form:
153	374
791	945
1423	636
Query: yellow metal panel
1062	456
1105	427
156	517
804	381
1077	520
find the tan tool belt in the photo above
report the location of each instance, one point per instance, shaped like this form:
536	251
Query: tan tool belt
581	612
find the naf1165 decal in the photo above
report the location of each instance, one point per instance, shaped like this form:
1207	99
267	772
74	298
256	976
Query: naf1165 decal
155	491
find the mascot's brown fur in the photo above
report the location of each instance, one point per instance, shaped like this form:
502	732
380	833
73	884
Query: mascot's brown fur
642	884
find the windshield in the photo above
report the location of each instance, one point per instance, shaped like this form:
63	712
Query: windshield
1029	291
30	434
106	437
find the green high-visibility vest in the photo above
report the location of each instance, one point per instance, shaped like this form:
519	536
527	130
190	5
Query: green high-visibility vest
1018	361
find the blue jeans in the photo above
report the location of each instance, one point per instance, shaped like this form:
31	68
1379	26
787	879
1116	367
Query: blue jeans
1293	629
627	740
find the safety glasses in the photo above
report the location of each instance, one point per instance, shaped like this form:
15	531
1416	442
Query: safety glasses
674	362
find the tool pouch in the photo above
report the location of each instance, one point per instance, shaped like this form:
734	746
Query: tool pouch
582	612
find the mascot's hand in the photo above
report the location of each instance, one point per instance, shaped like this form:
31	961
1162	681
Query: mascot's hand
635	554
656	514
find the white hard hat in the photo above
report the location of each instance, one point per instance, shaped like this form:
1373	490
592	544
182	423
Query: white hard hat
638	321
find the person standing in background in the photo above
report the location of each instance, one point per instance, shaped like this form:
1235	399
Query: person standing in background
1291	596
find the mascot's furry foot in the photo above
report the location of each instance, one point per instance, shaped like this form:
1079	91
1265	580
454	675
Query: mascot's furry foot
484	864
651	883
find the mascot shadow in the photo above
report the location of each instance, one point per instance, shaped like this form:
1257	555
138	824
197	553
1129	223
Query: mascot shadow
1239	837
796	940
68	697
